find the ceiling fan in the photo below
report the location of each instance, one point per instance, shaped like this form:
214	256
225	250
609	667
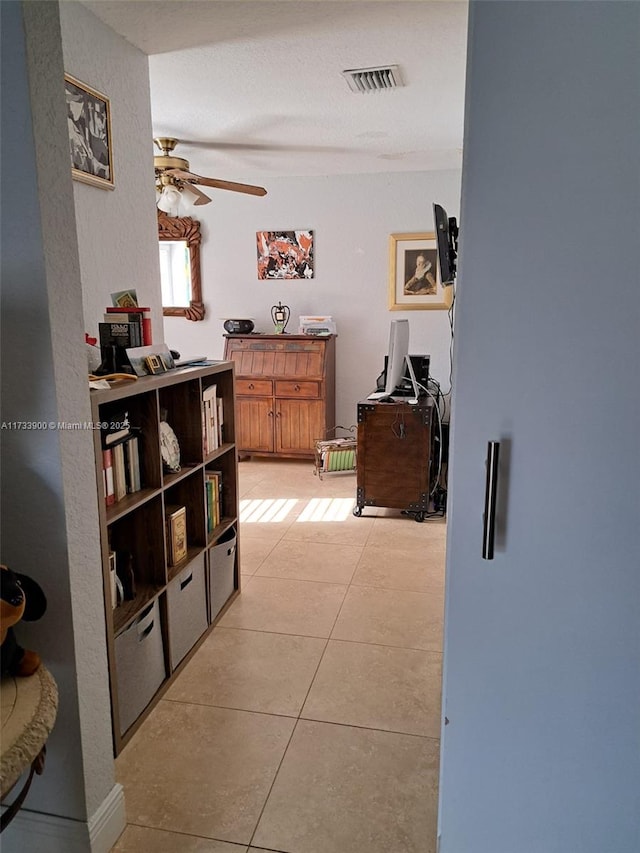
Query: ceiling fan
173	177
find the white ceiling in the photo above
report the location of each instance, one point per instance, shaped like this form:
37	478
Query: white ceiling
256	87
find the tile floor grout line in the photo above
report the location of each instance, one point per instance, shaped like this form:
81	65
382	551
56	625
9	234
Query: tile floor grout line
186	834
302	580
298	580
201	704
330	639
313	678
363	728
273	781
278	633
384	646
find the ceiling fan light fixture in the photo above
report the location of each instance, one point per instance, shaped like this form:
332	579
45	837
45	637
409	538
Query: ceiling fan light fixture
169	200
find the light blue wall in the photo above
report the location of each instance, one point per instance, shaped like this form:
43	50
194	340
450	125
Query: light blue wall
542	645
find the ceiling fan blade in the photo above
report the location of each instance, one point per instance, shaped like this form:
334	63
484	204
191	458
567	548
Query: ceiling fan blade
218	184
201	198
257	147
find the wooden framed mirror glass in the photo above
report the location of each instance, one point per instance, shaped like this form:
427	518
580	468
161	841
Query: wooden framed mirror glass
179	245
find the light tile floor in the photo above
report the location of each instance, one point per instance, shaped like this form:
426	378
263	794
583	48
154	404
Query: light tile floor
309	719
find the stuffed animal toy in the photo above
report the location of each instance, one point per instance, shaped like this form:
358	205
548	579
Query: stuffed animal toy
22	598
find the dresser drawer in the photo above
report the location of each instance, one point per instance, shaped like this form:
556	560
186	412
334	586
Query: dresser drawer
292	388
254	387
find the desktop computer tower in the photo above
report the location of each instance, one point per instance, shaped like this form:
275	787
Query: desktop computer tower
420	364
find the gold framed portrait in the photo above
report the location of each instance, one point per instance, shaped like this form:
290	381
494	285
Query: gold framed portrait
414	276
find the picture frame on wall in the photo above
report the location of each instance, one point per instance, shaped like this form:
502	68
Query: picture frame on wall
285	254
89	124
414	277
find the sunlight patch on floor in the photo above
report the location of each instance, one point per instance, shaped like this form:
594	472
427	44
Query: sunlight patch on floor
327	509
277	509
267	509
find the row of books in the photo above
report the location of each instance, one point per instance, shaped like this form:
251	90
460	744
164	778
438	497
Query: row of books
121	470
213	495
126	327
212	419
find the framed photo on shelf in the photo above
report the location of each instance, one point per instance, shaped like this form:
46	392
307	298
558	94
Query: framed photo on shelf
414	277
155	364
89	123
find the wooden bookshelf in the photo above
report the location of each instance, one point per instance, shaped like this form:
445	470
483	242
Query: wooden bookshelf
167	601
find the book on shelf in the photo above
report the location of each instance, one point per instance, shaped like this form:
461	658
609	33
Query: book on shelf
124	335
112	438
118	429
213	486
220	420
141	315
107	477
113	584
176	523
119	472
210	419
121	469
208	497
212	514
132	456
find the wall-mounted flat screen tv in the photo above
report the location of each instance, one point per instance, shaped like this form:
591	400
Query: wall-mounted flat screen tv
447	244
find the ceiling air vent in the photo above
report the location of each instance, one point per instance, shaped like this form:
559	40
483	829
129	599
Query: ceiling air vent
373	79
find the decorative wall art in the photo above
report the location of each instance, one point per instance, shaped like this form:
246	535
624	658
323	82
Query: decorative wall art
414	278
89	122
285	254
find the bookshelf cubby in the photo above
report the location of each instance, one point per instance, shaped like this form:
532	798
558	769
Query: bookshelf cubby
151	627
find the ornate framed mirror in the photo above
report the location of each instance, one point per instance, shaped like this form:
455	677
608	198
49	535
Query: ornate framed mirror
179	245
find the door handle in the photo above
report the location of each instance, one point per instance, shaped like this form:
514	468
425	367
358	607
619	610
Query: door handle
491	490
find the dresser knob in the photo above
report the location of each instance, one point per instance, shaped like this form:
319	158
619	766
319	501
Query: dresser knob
296	387
251	386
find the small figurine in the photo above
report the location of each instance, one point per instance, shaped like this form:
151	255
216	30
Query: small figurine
22	598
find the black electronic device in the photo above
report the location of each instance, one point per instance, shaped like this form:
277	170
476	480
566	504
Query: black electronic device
447	244
420	364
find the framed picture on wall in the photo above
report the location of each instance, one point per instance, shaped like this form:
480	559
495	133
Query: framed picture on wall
89	123
414	278
285	254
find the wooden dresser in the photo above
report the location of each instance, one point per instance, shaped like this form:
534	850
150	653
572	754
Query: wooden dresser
285	392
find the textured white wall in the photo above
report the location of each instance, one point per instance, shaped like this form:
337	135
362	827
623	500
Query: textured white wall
116	228
49	506
352	217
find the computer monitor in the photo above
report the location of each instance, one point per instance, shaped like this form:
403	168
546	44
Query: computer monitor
396	354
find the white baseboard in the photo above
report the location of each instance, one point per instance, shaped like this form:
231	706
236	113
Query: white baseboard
108	822
51	834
